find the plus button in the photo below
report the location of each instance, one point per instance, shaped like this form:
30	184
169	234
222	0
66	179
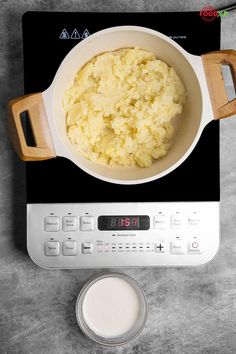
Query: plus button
160	247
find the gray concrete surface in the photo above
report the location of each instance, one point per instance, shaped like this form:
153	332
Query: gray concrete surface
192	310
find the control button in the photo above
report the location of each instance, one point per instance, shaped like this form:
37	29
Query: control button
87	248
177	221
52	248
159	222
86	223
160	247
177	247
69	248
69	223
194	220
51	223
194	246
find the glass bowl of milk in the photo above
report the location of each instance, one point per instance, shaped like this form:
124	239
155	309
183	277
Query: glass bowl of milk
111	309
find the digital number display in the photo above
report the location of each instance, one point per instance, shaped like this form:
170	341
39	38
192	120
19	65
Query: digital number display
126	222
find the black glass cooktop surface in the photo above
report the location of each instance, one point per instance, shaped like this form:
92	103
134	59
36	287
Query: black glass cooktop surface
47	38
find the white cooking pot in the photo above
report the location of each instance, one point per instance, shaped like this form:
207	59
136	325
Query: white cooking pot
206	100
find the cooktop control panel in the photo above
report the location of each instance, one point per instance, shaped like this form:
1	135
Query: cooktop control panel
91	235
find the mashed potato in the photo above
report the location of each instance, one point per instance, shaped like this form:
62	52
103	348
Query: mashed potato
120	107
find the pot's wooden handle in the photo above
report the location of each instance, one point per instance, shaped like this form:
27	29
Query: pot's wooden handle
34	106
212	62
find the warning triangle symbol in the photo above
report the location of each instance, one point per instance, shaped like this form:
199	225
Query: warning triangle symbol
64	34
75	34
85	34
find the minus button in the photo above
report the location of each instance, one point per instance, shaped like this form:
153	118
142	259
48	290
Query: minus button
87	248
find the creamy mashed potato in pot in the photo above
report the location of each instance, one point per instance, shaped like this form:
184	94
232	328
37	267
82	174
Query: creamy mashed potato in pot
120	107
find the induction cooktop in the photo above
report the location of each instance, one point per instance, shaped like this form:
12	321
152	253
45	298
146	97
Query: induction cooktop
180	211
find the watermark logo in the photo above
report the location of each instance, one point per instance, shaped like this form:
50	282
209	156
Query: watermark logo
209	13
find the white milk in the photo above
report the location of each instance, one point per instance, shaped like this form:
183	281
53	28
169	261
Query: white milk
110	307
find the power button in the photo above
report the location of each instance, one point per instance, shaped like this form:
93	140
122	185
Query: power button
194	246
